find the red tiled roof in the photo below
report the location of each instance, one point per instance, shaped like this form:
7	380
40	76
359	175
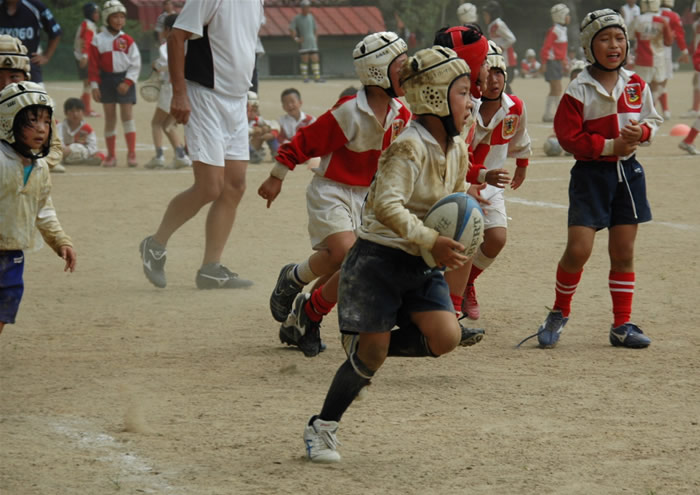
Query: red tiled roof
330	21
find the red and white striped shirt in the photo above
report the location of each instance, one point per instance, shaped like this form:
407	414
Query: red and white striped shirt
113	53
556	44
83	39
83	134
652	33
674	21
589	118
500	33
348	138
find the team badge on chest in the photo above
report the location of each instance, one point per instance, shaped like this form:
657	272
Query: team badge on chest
633	95
510	125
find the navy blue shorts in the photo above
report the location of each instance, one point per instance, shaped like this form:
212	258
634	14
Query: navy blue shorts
600	196
108	88
381	286
11	284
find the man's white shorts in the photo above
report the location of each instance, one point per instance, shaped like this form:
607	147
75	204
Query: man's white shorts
652	74
218	126
332	208
495	213
164	96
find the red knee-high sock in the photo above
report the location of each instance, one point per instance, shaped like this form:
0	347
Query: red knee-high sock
474	274
131	142
317	307
457	302
111	145
622	291
565	289
663	99
691	136
87	101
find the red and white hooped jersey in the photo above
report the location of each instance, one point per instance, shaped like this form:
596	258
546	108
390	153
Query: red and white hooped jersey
504	136
348	138
83	38
589	118
114	53
653	33
500	33
674	22
556	44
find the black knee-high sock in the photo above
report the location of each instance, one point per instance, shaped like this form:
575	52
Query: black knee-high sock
408	341
346	385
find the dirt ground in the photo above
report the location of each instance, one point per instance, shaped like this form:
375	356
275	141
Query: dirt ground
109	385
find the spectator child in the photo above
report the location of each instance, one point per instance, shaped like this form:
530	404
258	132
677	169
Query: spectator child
260	131
554	58
530	66
294	118
77	136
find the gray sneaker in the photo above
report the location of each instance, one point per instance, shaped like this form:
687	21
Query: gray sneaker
217	276
284	293
153	257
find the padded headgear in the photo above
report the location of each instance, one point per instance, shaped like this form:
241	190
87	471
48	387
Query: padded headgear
427	77
15	97
112	7
649	6
668	3
253	98
594	23
495	58
530	53
473	52
89	9
466	13
494	10
576	66
559	13
372	57
13	55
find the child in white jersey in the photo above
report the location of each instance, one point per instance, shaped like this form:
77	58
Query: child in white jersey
77	136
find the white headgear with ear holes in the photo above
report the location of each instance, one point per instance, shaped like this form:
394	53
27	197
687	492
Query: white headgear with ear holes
374	54
13	55
466	13
495	58
559	13
426	79
595	22
15	97
649	6
112	7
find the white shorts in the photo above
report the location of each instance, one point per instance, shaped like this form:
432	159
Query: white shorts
218	126
652	74
332	207
668	55
164	96
495	213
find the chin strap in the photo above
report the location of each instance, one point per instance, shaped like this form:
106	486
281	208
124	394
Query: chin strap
27	153
448	122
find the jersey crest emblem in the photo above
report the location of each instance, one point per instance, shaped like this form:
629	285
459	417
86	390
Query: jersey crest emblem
510	126
396	128
120	44
633	95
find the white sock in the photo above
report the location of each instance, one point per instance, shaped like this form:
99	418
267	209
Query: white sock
302	273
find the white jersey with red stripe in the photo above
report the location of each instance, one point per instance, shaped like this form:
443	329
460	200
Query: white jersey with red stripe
83	134
83	38
289	125
589	118
500	33
348	138
653	34
556	44
114	53
676	25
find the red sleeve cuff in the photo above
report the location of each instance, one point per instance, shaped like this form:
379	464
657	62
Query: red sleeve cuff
522	162
473	173
646	133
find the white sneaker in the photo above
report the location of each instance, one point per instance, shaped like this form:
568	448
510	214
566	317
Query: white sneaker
58	169
156	162
667	114
319	437
689	148
181	162
690	114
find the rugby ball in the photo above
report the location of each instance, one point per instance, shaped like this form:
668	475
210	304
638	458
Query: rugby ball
552	146
459	217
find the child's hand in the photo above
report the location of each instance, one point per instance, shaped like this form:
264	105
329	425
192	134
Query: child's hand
447	252
632	132
96	95
519	177
623	148
270	189
123	88
475	192
68	254
498	177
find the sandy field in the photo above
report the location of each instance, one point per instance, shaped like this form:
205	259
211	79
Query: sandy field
109	385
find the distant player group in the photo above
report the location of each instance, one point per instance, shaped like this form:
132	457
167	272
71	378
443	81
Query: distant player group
383	164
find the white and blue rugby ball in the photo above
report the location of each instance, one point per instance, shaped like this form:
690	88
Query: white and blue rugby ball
459	217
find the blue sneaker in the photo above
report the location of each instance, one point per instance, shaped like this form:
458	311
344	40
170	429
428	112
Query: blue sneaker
629	335
548	333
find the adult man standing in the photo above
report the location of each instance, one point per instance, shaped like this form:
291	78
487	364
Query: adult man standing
210	85
303	30
24	19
